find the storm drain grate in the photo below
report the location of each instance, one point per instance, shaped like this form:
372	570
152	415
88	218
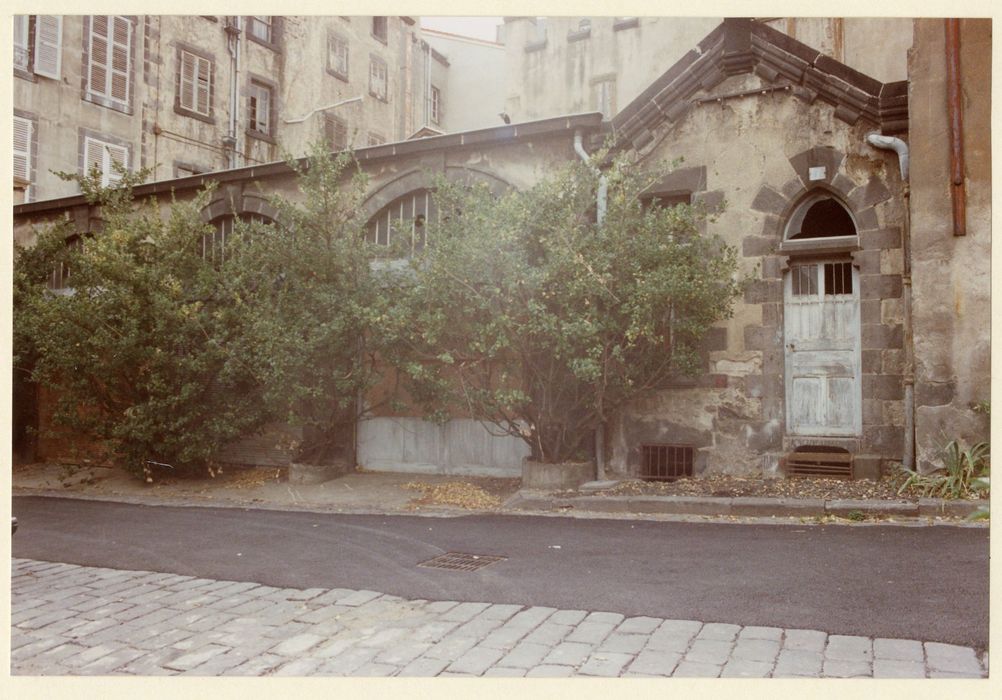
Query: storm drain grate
457	561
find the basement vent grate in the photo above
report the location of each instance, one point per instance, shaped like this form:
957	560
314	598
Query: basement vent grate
665	462
457	561
820	462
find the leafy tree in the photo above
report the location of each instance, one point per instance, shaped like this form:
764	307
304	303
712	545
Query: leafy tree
144	348
318	323
527	314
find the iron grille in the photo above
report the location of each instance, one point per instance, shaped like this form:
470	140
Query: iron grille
457	561
665	462
819	462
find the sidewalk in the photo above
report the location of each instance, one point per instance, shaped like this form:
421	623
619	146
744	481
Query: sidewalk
75	620
385	492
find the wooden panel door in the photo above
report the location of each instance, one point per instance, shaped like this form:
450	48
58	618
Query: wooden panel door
821	329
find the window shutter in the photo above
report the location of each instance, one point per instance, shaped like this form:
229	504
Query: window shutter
22	148
187	80
93	155
121	46
203	81
48	45
97	71
118	154
22	45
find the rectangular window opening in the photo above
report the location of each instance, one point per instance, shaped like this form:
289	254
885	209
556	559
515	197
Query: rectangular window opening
665	462
804	280
838	278
379	28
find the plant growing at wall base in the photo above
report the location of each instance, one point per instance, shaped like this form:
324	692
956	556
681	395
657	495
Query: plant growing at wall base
963	474
527	314
142	348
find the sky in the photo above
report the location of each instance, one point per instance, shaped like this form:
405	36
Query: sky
478	27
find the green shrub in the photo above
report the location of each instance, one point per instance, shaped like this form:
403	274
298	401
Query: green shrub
963	474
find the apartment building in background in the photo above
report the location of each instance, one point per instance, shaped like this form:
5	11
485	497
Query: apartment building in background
565	65
183	95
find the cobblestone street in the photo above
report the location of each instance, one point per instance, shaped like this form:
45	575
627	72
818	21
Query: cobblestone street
74	620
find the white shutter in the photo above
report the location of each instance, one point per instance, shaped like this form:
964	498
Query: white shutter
99	153
118	154
22	151
48	45
22	43
121	59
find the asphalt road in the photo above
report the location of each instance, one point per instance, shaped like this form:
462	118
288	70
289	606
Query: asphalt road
928	583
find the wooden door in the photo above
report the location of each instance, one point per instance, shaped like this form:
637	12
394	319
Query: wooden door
821	328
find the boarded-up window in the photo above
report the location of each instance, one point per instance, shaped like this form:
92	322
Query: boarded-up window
102	156
109	59
23	132
195	83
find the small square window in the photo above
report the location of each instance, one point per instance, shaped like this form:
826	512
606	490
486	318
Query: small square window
838	278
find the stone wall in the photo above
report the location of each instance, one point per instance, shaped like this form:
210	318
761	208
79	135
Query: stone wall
951	275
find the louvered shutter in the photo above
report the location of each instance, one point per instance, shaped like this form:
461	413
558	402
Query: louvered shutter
48	45
97	71
118	154
121	45
22	47
22	150
202	83
187	80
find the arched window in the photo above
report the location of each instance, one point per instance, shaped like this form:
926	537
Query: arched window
820	216
214	244
405	216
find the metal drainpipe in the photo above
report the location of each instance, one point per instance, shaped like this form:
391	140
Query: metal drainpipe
600	204
234	51
901	148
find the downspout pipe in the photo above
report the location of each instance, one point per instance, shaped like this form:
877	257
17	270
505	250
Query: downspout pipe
892	143
600	205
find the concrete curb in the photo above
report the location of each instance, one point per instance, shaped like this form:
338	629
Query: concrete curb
744	506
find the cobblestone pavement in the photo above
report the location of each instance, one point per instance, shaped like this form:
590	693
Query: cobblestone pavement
74	620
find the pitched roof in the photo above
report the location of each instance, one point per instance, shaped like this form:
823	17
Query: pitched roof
741	45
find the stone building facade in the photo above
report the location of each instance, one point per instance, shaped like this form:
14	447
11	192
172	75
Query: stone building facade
183	95
862	328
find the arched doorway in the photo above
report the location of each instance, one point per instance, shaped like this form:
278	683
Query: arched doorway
822	321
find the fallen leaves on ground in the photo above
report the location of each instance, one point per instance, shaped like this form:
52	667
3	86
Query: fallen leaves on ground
454	493
757	486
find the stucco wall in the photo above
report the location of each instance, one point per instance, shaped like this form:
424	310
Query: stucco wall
951	275
477	83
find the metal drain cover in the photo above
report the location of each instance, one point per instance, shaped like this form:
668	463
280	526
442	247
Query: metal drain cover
457	561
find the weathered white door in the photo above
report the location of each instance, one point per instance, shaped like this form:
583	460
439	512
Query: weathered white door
821	324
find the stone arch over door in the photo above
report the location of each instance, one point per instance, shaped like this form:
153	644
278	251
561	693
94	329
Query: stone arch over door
876	256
